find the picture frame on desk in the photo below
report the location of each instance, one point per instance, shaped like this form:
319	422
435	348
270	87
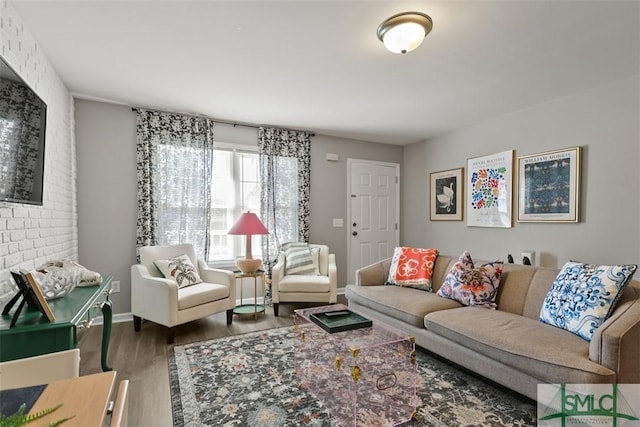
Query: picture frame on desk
25	289
42	302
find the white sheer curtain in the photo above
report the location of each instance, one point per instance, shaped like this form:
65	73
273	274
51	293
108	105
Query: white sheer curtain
175	157
285	163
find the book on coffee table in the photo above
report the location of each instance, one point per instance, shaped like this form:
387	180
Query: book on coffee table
340	321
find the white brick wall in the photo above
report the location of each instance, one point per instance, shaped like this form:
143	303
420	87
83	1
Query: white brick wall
31	235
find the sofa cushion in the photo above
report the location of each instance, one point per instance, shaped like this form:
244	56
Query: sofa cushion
540	350
179	269
412	267
201	293
583	295
475	286
300	283
523	288
406	304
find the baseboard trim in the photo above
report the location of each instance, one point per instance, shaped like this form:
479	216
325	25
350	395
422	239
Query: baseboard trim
117	318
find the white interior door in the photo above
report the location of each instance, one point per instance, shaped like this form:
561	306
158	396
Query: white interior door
373	212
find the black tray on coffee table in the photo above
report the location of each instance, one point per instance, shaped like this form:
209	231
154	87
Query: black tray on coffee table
340	321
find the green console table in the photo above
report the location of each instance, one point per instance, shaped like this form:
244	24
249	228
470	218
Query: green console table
33	335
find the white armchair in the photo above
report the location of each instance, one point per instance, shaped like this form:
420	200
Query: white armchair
161	301
305	288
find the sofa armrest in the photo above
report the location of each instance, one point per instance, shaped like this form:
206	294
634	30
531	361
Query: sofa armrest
215	275
616	342
374	274
153	298
218	276
277	273
333	279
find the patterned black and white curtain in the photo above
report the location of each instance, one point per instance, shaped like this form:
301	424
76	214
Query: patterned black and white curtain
175	158
285	169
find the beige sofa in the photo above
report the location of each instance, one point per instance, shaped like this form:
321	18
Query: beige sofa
509	345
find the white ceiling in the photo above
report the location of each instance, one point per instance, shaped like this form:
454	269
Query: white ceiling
318	65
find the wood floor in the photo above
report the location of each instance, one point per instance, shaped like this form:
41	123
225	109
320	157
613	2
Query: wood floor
141	357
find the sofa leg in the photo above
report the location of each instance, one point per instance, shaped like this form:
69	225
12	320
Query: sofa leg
170	335
137	323
229	316
275	309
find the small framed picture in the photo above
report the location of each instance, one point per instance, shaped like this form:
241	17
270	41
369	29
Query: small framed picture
549	186
447	188
25	289
42	302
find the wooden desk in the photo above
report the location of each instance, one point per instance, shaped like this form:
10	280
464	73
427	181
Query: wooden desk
84	398
33	335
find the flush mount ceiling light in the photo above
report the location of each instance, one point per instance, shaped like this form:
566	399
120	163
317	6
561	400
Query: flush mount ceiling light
405	31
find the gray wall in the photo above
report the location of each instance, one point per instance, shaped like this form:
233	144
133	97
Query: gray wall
603	120
106	152
107	204
329	192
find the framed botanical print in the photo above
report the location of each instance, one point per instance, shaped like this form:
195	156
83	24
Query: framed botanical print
447	188
549	186
489	190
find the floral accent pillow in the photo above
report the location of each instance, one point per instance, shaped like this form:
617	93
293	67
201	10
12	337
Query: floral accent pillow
473	286
583	296
412	267
180	270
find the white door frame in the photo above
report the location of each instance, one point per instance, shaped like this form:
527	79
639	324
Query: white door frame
350	162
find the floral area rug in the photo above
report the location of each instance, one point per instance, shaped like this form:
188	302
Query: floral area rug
250	380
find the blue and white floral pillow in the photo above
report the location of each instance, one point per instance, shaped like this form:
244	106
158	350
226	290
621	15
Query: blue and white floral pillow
583	295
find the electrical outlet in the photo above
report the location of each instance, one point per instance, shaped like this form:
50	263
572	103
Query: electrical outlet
530	255
115	286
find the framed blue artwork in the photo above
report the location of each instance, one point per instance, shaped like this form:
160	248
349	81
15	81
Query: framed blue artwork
549	186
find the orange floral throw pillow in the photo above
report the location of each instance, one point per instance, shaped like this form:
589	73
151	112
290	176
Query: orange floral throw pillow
474	286
412	267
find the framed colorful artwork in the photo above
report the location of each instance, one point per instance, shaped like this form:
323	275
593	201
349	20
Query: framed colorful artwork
447	188
489	190
549	186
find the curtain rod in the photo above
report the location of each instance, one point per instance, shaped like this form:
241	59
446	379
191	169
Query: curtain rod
224	122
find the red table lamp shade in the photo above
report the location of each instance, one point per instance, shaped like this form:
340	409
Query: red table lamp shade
247	225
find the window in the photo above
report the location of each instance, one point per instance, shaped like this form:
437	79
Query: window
204	186
235	189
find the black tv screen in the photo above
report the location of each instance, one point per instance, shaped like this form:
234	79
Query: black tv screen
23	118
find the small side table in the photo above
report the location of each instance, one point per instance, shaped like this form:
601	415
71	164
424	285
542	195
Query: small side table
254	308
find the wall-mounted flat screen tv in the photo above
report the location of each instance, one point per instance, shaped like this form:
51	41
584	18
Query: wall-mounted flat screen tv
23	119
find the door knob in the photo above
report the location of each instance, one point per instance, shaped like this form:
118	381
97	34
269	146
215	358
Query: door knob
355	233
